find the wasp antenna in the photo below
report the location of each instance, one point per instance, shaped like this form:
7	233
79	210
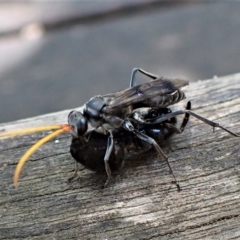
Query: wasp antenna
19	132
30	151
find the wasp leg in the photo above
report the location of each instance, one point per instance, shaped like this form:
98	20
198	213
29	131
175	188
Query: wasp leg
173	128
128	126
186	117
75	176
160	152
184	122
205	120
137	117
135	70
107	156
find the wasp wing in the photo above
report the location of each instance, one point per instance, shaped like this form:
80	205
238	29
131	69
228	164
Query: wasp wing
140	93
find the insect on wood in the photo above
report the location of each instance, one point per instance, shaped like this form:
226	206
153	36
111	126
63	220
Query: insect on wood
114	125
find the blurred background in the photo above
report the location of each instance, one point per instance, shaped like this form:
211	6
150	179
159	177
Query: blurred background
55	55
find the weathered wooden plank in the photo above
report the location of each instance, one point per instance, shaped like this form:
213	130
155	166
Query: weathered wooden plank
141	202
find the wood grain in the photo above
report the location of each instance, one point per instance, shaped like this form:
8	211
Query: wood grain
141	202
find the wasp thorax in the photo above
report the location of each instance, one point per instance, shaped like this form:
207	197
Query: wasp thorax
78	123
93	107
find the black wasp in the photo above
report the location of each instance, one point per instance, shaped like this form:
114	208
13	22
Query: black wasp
117	121
137	111
126	143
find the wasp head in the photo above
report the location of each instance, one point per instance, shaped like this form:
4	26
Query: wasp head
78	123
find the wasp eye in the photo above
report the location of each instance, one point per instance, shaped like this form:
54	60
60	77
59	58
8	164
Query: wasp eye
82	126
78	122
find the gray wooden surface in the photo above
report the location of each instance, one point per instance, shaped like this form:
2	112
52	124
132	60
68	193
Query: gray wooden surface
141	202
